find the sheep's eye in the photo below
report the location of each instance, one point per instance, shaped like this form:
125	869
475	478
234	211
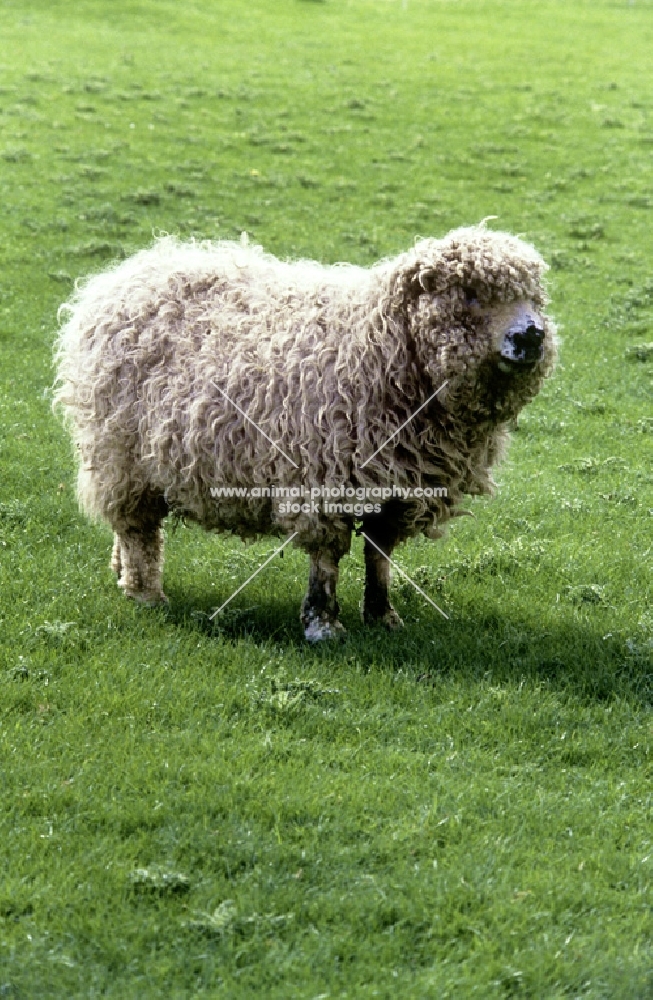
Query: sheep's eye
471	298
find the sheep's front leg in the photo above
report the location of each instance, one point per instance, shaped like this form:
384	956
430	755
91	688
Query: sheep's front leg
376	601
137	561
319	614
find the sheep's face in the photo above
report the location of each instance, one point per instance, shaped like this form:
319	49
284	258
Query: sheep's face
456	333
476	304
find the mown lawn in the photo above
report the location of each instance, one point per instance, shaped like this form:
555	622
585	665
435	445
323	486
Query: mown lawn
214	809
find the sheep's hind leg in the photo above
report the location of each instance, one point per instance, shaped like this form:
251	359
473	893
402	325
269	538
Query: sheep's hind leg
320	608
137	556
377	608
137	560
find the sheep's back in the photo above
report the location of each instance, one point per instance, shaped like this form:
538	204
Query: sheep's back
162	356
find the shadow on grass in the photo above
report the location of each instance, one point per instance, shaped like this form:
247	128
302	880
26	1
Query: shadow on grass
488	643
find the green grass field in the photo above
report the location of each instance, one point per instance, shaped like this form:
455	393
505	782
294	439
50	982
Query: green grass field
215	809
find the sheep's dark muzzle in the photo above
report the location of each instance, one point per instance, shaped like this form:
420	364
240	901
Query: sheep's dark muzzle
523	344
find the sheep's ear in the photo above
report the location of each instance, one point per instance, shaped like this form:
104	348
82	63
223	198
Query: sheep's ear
425	277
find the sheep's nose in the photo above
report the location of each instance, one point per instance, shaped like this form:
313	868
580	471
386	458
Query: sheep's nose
522	344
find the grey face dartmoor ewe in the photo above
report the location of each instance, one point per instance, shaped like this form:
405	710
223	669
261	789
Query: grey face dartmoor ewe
193	366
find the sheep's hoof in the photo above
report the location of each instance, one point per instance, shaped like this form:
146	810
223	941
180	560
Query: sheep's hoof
150	598
390	619
316	629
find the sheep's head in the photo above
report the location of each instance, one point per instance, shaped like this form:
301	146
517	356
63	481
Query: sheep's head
475	305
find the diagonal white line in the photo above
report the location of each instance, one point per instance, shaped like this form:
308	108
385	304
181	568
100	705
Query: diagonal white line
400	570
253	422
432	396
249	579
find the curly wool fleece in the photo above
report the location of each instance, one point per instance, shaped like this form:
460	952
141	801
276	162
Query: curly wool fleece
327	361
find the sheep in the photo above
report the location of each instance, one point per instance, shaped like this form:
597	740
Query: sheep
192	364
